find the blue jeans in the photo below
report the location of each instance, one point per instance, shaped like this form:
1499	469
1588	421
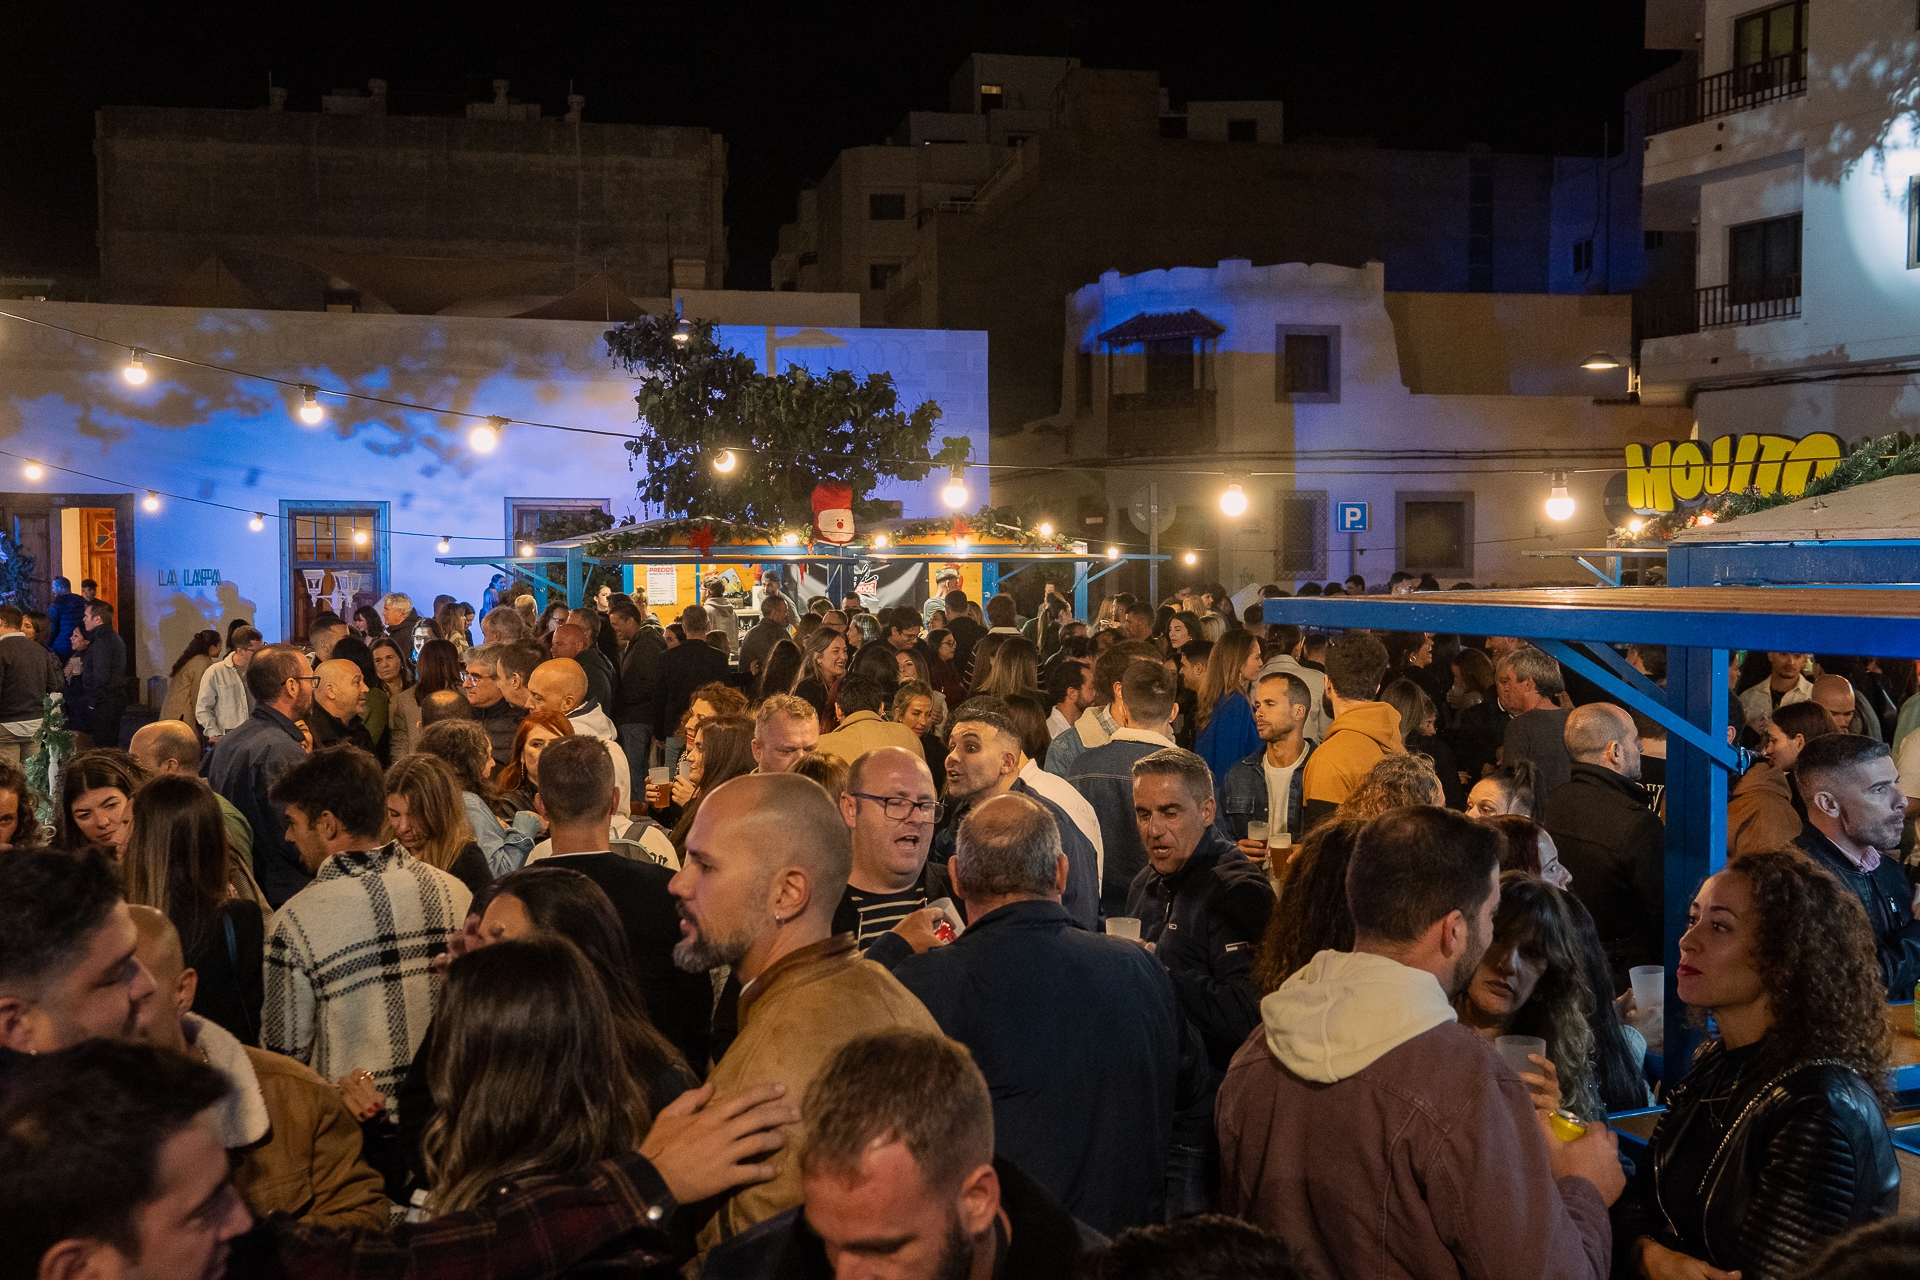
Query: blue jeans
637	740
1193	1171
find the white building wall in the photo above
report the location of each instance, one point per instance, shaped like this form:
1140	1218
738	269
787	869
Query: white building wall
200	434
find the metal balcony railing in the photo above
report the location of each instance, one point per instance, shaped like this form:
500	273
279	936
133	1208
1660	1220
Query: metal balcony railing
1743	302
1728	92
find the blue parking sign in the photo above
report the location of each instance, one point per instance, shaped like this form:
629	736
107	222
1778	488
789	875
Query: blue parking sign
1351	517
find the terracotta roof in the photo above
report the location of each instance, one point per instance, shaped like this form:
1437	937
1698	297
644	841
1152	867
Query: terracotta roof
1162	326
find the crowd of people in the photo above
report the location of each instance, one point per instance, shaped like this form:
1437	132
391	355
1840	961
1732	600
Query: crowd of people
934	942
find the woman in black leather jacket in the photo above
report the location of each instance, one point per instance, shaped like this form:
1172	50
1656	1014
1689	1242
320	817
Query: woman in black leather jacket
1775	1142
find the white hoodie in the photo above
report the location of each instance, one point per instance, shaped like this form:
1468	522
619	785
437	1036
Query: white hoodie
592	722
1344	1010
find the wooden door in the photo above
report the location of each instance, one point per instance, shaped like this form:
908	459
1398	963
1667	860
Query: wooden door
99	541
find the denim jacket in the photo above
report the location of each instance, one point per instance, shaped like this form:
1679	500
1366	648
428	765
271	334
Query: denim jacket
1243	793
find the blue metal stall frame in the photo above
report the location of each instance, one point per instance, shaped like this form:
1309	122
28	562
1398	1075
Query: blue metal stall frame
532	569
1721	597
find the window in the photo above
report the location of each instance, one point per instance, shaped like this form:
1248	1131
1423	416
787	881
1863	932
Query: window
525	516
1300	526
1170	365
887	206
1763	259
1583	256
1307	364
881	274
809	257
1173	126
334	558
1436	532
1243	131
1656	240
1776	32
992	97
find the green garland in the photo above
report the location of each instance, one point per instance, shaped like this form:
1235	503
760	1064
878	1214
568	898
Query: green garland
999	522
1872	459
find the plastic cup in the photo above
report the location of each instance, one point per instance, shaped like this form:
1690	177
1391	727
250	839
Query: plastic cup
1124	927
1649	986
1257	832
1513	1050
659	774
1280	840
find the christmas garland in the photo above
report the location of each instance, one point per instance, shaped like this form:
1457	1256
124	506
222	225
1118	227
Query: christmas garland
1872	459
1000	523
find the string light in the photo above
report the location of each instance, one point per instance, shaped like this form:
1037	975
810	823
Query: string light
725	461
789	539
955	494
1113	553
152	502
683	333
1046	529
135	371
1234	500
1636	525
310	411
526	548
258	522
1191	558
32	471
484	437
443	546
360	538
880	540
1559	501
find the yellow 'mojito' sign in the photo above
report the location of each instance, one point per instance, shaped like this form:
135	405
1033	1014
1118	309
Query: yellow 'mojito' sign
1686	471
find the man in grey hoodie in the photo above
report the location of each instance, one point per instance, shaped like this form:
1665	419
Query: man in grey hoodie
1378	1137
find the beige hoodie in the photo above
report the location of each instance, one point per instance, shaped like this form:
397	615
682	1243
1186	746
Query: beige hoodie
1344	1010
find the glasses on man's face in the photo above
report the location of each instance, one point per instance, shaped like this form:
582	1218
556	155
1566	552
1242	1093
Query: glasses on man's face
900	808
313	680
472	677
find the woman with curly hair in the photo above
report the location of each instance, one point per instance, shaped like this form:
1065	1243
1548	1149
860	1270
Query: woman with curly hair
1776	1141
1311	915
1393	783
22	828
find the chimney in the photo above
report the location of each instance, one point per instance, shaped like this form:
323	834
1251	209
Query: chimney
276	98
576	104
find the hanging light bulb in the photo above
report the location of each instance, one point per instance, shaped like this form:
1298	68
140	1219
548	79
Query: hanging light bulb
1559	502
1046	529
443	546
32	471
1636	525
725	461
135	370
683	333
1234	500
484	437
152	502
1113	553
310	411
880	540
1191	558
955	494
526	548
789	539
258	522
360	538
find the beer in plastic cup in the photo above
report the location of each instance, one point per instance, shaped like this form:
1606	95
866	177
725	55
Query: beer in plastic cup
1124	927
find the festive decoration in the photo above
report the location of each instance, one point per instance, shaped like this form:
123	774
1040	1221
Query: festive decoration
1872	459
16	574
833	513
46	757
702	538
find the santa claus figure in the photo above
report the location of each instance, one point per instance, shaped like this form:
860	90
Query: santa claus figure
833	513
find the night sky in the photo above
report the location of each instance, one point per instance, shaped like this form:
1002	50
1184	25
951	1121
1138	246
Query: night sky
789	85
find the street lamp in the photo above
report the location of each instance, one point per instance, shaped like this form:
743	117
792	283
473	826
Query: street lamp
1600	361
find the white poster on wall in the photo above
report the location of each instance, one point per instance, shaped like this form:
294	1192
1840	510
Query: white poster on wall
663	584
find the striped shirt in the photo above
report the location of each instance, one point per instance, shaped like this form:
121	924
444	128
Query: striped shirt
879	912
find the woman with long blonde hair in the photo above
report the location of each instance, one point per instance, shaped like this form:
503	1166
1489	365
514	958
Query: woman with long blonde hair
1224	713
428	817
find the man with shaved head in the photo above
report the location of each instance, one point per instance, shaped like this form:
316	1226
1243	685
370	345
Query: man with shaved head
339	703
574	641
1844	707
1609	837
560	686
766	864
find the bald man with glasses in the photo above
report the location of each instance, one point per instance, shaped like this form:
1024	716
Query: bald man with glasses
891	808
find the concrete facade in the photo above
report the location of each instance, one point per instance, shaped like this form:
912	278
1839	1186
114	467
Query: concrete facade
1834	348
1465	403
193	433
352	208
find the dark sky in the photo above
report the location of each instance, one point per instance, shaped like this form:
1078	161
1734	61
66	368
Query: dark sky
790	84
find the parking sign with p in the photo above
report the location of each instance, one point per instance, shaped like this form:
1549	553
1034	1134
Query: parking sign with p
1350	517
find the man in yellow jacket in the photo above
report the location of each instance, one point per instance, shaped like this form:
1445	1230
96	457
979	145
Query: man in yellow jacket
1362	733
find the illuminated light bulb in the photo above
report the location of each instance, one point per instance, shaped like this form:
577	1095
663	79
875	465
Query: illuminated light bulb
789	539
1234	500
683	333
32	471
1191	558
1635	526
961	543
135	370
955	494
1046	529
1113	553
484	437
1706	517
880	540
152	502
724	461
1599	360
360	538
526	548
310	411
258	522
1559	502
443	546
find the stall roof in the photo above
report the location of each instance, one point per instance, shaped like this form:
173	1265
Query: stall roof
1886	509
1885	622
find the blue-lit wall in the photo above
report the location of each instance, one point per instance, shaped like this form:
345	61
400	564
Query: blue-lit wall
203	434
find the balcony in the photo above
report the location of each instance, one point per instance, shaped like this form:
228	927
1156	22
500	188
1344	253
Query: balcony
1730	91
1722	305
1158	423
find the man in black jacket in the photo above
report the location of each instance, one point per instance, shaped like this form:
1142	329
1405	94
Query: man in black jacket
249	760
1105	1012
641	649
1855	811
577	800
103	675
28	673
1202	907
900	1164
491	707
966	633
684	668
1609	838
